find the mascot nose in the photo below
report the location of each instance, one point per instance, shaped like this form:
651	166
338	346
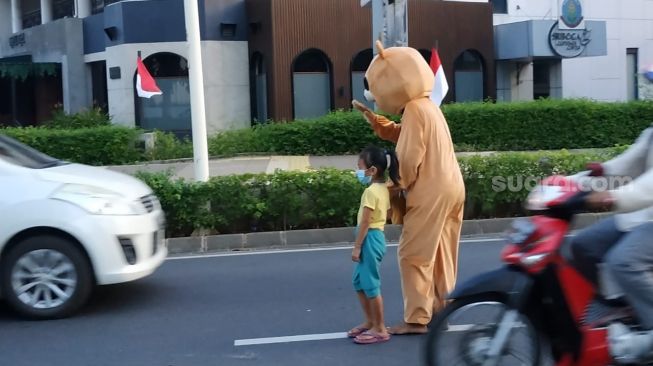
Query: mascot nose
369	96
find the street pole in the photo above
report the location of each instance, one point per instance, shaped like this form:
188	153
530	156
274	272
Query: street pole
396	19
378	22
196	81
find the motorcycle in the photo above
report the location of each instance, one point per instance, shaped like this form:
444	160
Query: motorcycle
563	317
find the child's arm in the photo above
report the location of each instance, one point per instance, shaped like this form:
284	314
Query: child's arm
362	232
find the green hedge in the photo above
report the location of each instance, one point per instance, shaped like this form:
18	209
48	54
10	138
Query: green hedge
330	198
518	126
109	145
540	125
94	146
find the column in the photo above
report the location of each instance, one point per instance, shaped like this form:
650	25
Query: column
16	16
46	11
83	8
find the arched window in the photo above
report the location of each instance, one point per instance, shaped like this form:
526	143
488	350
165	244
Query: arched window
359	66
258	92
468	77
426	54
171	110
311	80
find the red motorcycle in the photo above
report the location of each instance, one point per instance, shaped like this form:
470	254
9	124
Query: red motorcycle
562	317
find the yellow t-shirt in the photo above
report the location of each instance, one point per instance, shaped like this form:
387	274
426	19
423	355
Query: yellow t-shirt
377	198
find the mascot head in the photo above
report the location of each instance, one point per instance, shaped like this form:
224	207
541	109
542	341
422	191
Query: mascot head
396	76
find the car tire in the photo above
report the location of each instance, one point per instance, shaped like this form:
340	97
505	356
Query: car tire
46	277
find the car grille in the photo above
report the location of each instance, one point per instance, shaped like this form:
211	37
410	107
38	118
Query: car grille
150	202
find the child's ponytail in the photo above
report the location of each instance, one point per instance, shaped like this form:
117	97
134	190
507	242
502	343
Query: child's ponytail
393	169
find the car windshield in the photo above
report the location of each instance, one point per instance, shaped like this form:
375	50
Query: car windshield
19	154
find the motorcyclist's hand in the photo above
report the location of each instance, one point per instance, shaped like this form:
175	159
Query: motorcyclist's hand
600	200
596	169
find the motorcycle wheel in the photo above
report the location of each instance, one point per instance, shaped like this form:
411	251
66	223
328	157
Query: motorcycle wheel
470	338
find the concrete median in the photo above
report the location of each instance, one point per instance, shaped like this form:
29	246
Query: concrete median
331	236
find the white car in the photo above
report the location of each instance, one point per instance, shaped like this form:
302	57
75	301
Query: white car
65	228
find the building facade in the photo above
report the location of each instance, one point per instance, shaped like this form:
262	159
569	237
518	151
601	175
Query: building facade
85	53
262	59
308	57
603	55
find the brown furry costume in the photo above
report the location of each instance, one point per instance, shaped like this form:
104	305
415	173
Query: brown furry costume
400	81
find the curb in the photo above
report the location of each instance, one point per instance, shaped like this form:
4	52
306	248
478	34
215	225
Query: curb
332	236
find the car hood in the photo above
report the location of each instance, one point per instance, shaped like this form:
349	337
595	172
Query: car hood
121	183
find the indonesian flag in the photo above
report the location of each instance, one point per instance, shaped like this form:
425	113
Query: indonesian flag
440	86
145	85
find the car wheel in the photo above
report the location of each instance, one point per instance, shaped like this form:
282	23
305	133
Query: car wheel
46	277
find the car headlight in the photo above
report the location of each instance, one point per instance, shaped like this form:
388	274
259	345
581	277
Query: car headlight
97	201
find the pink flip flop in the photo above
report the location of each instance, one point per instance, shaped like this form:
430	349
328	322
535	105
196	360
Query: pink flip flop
371	338
356	332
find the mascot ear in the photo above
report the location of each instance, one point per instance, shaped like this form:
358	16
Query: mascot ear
379	47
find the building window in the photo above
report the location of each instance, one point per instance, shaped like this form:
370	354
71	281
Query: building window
468	77
541	79
359	66
499	6
259	89
631	74
31	13
62	8
99	85
311	83
171	110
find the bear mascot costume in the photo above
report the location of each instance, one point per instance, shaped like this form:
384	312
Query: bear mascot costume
430	201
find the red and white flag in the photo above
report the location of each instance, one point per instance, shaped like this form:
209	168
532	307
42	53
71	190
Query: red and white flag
440	86
145	85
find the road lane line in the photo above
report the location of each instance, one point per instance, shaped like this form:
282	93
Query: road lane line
327	336
288	339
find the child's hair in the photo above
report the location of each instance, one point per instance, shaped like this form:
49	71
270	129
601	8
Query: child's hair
374	156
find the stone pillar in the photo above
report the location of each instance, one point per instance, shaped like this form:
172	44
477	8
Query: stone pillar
83	8
16	16
46	11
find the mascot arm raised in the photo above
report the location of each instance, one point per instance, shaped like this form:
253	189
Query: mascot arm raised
383	127
412	147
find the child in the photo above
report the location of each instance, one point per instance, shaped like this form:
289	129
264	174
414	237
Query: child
370	242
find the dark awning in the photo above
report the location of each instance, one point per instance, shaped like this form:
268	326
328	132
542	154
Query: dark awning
24	59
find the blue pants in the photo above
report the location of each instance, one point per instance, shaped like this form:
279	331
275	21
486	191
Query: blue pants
628	255
367	277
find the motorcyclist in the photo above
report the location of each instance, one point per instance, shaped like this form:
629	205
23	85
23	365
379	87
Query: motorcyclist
624	241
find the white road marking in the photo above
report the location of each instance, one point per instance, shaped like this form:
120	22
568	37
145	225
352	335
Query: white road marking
297	338
320	249
325	336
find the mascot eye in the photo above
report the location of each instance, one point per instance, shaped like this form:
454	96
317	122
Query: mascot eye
366	84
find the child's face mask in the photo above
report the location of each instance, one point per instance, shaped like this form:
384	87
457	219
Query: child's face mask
365	179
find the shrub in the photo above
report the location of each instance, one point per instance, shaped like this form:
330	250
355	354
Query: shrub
258	202
94	146
330	198
518	126
85	119
336	133
167	147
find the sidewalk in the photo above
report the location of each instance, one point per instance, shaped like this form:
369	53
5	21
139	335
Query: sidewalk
183	168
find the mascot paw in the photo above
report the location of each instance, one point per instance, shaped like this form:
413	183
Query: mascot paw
367	113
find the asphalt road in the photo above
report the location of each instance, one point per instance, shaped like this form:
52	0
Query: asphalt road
192	311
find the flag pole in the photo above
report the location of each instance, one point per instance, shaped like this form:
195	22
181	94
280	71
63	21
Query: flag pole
196	81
